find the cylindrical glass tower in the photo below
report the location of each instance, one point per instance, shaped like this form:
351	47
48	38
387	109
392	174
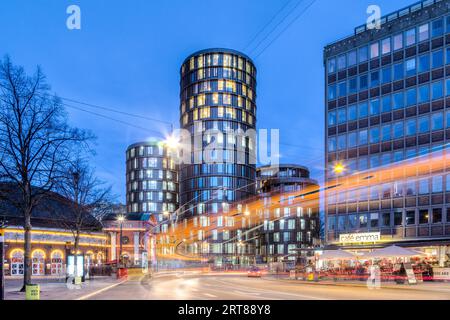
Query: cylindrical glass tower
152	181
218	98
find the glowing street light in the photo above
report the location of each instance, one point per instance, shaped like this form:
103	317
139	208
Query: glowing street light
172	142
339	168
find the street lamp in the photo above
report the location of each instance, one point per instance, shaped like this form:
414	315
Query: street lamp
171	142
339	168
120	219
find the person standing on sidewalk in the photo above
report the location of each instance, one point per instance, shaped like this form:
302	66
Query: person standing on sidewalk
374	281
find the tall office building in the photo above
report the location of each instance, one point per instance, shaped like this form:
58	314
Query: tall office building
151	181
218	97
386	104
152	196
291	231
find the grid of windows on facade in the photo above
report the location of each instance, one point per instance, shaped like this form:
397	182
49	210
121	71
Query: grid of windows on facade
288	228
392	89
218	86
152	180
218	94
388	102
409	218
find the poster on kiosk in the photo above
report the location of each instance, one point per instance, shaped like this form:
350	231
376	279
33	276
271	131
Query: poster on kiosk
71	266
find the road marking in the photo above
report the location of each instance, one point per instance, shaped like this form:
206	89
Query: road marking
210	295
271	291
90	295
246	293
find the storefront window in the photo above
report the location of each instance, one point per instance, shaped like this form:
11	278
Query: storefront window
17	259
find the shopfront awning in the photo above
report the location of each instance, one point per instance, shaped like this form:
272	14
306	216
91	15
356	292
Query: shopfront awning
392	252
336	255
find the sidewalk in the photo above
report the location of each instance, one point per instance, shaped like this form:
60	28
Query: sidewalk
423	286
56	289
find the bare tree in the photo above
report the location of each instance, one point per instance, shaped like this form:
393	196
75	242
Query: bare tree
35	141
87	197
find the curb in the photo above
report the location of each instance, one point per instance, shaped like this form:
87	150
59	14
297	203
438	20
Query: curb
337	284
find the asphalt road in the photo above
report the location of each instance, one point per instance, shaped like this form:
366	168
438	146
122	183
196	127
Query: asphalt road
239	287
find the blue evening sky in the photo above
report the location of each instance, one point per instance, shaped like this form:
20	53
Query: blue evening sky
127	56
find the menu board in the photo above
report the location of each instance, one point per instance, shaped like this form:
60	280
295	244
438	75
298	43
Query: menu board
410	273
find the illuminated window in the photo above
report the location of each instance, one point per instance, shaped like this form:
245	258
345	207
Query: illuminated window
227	60
200	61
230	113
220	112
201	100
220	85
192	63
239	102
204	113
226	99
230	86
215	98
215	59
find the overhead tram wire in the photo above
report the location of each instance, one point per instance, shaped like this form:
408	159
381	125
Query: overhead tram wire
287	27
266	25
276	26
112	119
118	111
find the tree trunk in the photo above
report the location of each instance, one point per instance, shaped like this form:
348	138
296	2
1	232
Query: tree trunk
27	270
75	260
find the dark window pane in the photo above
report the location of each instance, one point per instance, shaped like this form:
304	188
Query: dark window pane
423	216
437	215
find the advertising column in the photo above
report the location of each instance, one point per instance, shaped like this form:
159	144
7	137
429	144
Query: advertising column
136	248
113	246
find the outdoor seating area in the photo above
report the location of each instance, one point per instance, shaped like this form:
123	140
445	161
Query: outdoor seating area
344	265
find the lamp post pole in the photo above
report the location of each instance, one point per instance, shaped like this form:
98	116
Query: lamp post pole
120	244
2	260
120	219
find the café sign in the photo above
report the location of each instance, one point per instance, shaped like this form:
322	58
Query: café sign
360	237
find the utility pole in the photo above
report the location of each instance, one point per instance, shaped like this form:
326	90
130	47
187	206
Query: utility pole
2	260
